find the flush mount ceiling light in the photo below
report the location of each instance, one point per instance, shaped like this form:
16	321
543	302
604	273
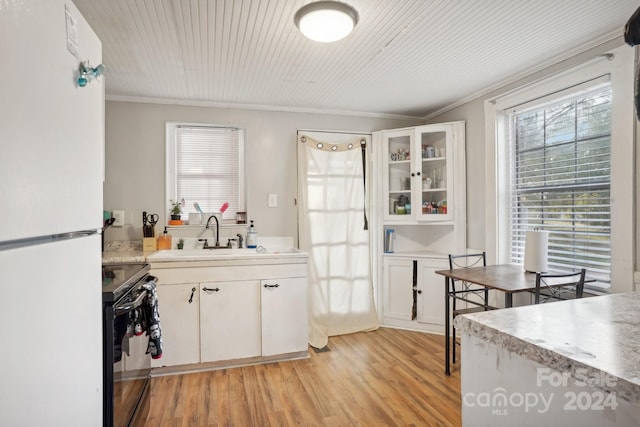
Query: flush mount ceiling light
326	21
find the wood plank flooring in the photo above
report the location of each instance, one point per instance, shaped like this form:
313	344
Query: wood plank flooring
387	377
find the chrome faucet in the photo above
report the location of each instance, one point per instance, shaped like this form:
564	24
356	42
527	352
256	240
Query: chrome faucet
217	244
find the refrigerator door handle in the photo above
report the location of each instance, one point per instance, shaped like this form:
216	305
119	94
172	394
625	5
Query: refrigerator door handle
32	241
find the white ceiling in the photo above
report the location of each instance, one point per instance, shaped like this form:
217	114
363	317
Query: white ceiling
405	57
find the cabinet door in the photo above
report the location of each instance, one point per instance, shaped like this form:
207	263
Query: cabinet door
433	181
229	320
284	316
397	168
431	303
397	288
418	175
178	307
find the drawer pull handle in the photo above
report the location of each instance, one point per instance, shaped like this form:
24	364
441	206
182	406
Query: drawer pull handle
272	286
193	291
211	289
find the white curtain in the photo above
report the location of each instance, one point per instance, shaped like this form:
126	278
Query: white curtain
332	221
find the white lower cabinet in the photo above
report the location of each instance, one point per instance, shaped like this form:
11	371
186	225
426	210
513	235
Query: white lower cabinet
212	313
412	294
229	320
179	311
431	290
284	316
397	289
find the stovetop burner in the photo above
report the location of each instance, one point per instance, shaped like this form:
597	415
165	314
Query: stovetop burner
117	279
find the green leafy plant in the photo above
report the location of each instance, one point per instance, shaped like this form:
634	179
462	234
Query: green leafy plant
176	207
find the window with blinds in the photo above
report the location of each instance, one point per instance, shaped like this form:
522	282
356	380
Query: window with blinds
560	181
209	168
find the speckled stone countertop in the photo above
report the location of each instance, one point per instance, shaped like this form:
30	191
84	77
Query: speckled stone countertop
119	257
123	251
600	334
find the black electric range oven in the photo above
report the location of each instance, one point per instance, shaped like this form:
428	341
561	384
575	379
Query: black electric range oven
126	363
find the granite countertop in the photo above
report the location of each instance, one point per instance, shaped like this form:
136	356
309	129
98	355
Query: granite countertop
599	334
119	257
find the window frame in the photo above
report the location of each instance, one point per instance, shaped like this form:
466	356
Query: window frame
619	65
554	190
171	169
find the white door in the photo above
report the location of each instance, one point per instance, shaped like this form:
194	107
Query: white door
51	334
431	287
397	166
52	133
397	288
284	316
179	311
229	320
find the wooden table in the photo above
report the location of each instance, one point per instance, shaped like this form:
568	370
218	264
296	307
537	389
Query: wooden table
507	278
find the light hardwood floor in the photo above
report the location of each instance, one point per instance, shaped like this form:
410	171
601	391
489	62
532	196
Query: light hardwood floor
387	377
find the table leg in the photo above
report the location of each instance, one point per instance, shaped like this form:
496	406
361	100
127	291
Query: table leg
508	299
447	369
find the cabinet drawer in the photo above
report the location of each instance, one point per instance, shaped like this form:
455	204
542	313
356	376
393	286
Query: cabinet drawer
228	273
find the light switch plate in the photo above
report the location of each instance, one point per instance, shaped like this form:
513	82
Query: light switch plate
273	200
119	218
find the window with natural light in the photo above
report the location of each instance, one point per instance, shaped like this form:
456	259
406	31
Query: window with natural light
560	180
205	165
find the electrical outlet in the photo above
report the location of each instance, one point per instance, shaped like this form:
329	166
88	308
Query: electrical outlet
273	200
119	218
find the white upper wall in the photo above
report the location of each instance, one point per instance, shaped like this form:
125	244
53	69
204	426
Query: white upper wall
473	113
135	159
478	195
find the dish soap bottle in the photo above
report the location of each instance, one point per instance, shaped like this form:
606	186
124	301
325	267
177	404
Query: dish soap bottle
164	240
252	237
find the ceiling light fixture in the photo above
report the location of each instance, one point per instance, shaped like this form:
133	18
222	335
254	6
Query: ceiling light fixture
326	21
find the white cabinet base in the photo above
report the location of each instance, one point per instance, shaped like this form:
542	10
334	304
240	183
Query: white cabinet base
397	292
229	320
232	319
280	304
224	364
181	342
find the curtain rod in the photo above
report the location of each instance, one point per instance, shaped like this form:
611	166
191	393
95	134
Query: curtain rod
334	131
208	127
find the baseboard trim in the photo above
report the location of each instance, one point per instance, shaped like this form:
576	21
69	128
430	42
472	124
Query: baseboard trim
225	364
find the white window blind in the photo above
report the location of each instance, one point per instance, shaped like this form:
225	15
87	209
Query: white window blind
560	181
209	168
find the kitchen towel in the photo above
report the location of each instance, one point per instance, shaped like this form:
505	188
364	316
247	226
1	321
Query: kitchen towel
153	320
535	251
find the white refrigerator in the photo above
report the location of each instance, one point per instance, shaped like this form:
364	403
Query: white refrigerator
51	174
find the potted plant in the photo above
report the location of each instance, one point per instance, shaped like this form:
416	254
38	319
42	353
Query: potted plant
176	210
180	243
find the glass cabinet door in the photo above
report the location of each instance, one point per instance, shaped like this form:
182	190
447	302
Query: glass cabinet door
418	175
397	165
433	183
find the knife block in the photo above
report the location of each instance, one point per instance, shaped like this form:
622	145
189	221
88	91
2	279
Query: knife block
149	244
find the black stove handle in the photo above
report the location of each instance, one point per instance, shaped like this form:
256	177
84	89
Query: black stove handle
119	310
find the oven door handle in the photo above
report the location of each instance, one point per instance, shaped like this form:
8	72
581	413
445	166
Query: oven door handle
130	306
